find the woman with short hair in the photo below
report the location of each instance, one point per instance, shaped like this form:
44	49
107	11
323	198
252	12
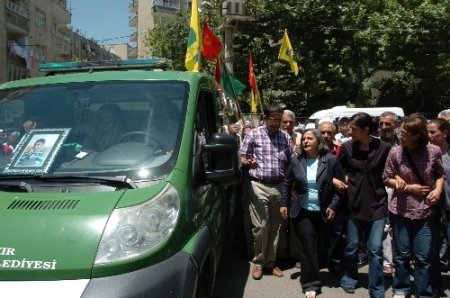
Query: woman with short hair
313	205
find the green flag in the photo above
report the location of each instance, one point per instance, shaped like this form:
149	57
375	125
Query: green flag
232	86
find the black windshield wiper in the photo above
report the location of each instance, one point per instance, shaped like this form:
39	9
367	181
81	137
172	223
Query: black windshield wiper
120	182
16	185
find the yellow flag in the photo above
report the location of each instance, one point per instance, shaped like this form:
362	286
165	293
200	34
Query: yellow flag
255	101
287	53
194	46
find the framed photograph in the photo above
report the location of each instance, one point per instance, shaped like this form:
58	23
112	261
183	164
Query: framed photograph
36	151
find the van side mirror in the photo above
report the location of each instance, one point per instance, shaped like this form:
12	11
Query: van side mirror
222	159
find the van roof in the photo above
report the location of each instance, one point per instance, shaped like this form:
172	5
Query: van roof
343	111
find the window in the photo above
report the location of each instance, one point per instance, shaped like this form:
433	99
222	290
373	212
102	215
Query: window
40	18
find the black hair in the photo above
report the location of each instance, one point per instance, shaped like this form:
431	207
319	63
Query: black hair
442	125
272	109
416	125
363	120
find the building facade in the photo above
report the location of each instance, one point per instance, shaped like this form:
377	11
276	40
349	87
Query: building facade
40	31
146	14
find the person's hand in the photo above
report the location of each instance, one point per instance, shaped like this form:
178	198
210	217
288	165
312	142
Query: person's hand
284	212
417	189
251	163
331	214
434	196
29	125
339	185
400	184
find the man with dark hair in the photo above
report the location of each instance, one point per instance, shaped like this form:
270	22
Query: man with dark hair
266	152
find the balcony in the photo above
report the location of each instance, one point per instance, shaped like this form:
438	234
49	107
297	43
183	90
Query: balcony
165	5
133	6
62	43
132	21
134	37
132	52
17	18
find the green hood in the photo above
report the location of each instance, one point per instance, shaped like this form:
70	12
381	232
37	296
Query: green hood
49	236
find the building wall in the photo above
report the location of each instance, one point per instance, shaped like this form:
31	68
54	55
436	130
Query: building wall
3	40
149	15
40	31
121	50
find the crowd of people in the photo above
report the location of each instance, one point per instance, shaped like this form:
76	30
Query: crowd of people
359	186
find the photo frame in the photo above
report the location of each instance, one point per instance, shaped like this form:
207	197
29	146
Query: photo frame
37	151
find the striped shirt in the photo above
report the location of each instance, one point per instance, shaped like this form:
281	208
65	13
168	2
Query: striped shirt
272	152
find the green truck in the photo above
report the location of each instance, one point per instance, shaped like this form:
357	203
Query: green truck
114	181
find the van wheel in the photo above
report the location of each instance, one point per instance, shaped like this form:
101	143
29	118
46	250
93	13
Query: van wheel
205	281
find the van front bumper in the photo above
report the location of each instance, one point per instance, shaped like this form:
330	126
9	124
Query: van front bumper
173	277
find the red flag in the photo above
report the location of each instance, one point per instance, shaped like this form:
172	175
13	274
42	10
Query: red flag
211	43
251	74
218	72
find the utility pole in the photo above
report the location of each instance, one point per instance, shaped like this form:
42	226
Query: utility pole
229	30
232	10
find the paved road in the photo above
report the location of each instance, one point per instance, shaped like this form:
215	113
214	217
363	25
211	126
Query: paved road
234	280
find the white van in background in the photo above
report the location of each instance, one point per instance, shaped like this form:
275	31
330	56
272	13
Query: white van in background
342	111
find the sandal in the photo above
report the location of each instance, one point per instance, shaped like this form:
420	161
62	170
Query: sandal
310	294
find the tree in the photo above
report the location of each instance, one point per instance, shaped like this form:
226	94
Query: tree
341	49
169	40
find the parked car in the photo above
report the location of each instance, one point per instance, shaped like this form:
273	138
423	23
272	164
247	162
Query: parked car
342	111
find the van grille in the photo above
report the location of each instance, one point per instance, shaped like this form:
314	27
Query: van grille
43	205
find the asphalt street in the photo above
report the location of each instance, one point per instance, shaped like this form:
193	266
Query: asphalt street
234	280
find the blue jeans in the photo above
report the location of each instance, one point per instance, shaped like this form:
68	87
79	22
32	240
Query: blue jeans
374	232
448	227
413	240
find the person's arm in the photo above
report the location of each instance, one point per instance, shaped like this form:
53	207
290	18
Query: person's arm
338	189
434	195
246	153
285	189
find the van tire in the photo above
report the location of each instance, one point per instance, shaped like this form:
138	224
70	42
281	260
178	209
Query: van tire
205	280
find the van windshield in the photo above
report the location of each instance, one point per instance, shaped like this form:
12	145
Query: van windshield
112	128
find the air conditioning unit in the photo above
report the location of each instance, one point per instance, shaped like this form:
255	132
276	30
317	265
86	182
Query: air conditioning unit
233	8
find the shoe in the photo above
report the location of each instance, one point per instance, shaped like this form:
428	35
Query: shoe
257	272
310	294
349	290
277	272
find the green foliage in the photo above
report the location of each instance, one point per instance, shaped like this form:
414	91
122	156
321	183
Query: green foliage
341	48
169	40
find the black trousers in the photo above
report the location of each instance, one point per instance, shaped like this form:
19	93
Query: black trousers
314	235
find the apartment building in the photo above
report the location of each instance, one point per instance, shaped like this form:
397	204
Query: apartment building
39	31
145	14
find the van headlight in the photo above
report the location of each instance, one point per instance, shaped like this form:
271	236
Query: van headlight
136	230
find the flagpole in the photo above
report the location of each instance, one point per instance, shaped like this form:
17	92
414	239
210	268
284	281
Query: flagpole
273	81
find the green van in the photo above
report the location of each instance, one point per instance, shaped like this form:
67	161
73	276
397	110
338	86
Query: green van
114	181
